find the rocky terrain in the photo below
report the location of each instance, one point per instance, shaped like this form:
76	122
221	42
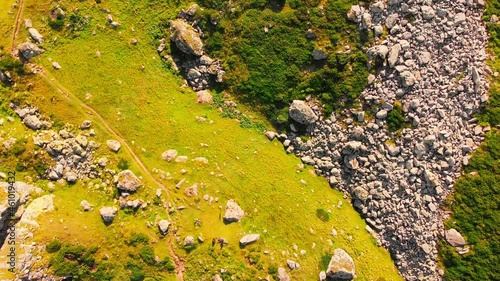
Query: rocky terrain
433	64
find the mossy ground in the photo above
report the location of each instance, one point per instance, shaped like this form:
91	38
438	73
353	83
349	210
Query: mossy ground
150	110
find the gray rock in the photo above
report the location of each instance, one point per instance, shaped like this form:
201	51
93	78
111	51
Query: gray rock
114	145
407	78
377	7
393	55
459	18
249	239
32	122
382	114
341	266
293	265
169	155
191	191
86	205
428	12
391	20
35	35
56	65
234	213
282	275
270	135
319	55
108	214
102	162
302	113
188	241
455	238
163	226
181	159
127	181
86	124
185	37
204	97
70	177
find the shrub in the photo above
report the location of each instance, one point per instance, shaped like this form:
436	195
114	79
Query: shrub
56	24
323	215
19	147
123	164
53	246
166	264
138	238
395	118
147	254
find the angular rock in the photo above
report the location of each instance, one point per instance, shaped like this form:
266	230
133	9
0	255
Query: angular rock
108	214
86	205
302	113
185	37
455	238
234	213
127	181
114	145
407	78
319	55
32	122
188	241
293	265
204	97
169	155
282	275
29	50
163	226
35	35
341	266
249	239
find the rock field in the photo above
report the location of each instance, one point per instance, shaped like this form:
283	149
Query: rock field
434	65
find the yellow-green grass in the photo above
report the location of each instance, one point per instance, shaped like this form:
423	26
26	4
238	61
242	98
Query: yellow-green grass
6	22
155	115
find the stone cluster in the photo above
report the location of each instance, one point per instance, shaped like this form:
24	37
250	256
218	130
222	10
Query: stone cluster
433	66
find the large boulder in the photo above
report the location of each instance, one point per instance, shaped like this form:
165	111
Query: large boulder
282	275
29	50
341	266
114	145
204	96
35	35
169	155
185	37
302	113
249	239
108	214
32	122
234	213
454	238
163	226
127	181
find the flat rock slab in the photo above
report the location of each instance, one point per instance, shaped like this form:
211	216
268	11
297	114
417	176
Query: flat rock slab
249	239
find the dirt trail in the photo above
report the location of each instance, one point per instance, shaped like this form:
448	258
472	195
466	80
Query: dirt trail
178	262
17	26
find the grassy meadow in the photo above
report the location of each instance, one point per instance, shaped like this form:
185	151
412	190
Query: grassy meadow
148	107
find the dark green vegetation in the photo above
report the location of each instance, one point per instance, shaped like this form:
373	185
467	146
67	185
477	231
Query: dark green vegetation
395	118
476	201
323	215
82	263
270	69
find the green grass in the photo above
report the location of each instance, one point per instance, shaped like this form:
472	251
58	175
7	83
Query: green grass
155	114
